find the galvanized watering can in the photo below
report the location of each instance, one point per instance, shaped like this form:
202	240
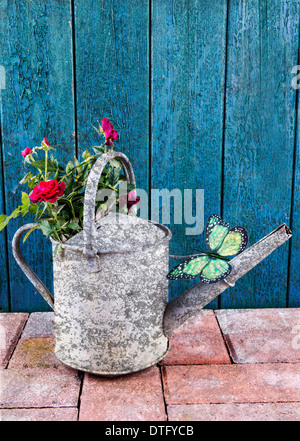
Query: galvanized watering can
112	314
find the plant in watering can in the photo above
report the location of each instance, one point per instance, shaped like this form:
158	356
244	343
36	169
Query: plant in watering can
56	192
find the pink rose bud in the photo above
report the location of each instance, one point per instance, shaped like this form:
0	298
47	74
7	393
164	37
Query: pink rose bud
45	141
129	200
111	135
26	152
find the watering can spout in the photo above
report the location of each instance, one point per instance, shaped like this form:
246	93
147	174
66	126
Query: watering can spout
189	304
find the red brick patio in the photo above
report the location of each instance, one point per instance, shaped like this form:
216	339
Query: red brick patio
225	365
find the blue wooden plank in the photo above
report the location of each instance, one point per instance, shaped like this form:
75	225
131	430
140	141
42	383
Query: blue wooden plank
36	50
188	66
112	76
4	283
259	138
294	268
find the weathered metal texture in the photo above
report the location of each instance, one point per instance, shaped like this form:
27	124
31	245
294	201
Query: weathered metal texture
90	232
111	322
189	304
111	290
34	279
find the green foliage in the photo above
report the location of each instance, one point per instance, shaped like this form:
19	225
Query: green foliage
62	218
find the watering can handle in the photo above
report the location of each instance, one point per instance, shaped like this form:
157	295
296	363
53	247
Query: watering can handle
90	200
37	283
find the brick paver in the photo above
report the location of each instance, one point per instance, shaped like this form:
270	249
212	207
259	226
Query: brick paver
35	353
235	383
198	382
39	324
199	341
11	326
235	412
134	397
261	335
45	414
39	388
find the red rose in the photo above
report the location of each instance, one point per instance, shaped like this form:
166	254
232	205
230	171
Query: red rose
26	152
110	134
47	191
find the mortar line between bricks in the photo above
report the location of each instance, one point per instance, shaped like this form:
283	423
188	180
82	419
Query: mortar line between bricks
163	391
80	392
224	340
234	402
39	407
19	338
233	364
171	404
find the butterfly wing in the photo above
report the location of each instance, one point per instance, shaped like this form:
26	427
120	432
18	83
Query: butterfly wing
189	269
215	232
234	242
215	271
220	239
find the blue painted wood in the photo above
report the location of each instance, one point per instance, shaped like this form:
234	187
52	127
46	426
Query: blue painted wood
259	138
158	70
112	76
188	64
36	50
4	283
293	300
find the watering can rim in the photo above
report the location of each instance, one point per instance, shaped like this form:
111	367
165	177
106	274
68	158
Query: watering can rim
69	246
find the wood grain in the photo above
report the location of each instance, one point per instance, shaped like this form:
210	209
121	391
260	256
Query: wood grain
36	51
293	300
188	64
4	282
259	138
112	76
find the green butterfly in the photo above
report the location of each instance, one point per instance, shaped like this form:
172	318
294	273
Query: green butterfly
213	266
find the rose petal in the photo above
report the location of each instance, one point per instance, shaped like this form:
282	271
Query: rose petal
26	152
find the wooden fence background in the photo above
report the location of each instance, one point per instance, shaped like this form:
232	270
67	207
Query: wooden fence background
201	93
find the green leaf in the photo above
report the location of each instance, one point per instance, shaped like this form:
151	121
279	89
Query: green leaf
52	166
15	213
98	149
113	177
58	249
70	167
3	221
46	228
26	178
74	226
103	206
127	187
29	232
86	154
115	163
131	187
34	208
24	208
25	198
